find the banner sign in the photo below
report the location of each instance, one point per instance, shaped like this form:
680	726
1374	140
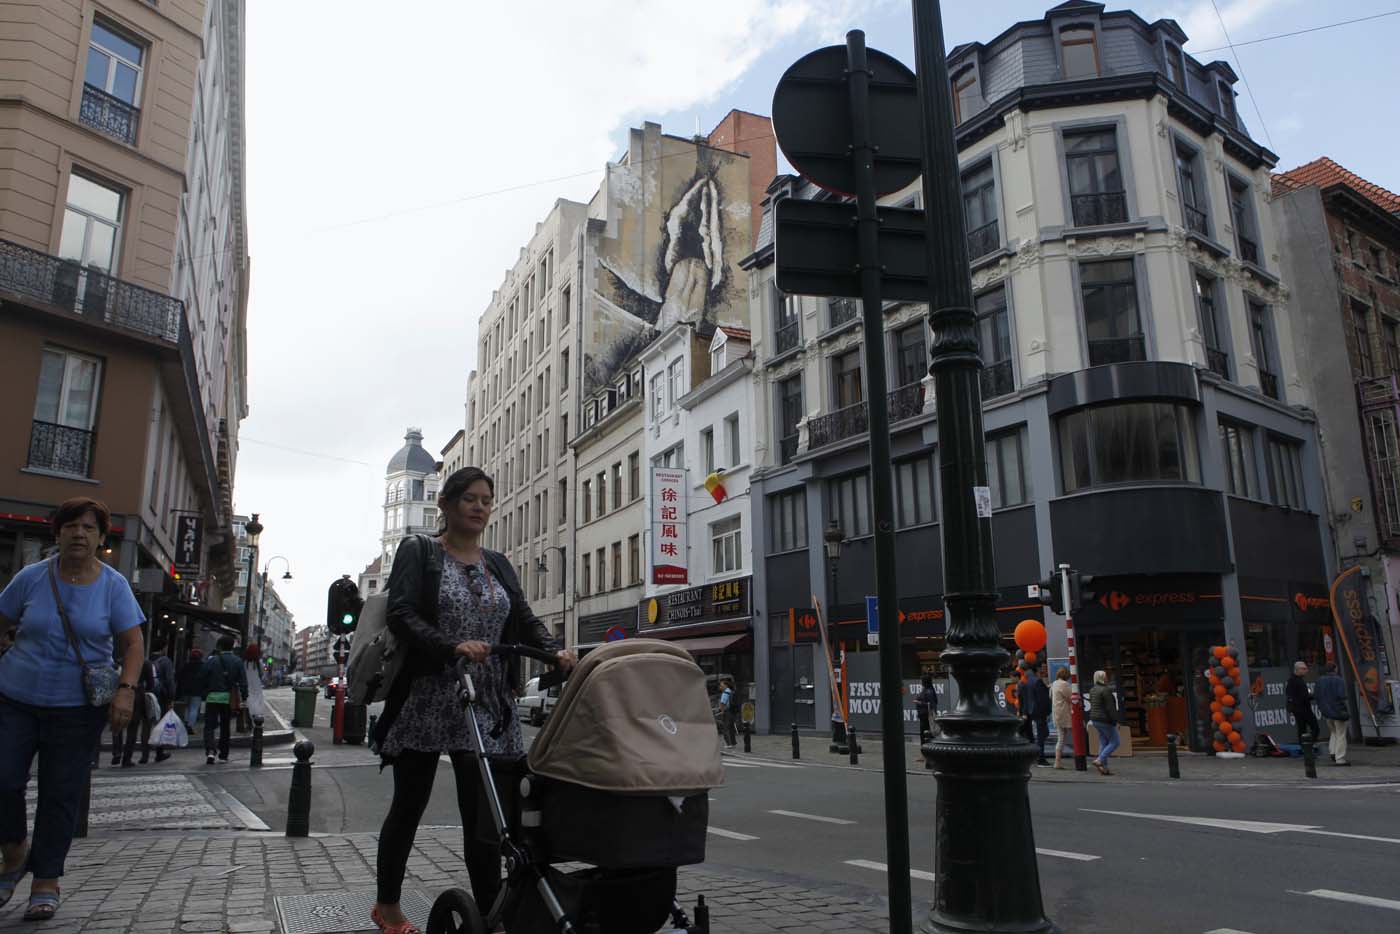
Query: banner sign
722	601
1269	704
669	555
1360	638
189	544
863	694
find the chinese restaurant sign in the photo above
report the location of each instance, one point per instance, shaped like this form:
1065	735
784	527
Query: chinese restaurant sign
668	526
708	603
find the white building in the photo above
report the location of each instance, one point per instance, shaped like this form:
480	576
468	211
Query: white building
410	506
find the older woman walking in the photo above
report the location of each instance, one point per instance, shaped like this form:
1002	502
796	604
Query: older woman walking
56	691
1103	714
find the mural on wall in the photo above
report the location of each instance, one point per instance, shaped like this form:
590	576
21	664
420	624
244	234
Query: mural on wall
677	222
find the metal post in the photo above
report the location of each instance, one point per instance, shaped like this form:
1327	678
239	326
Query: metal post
1173	764
983	821
1076	699
338	715
255	751
881	484
855	748
796	749
374	747
748	736
299	799
1309	760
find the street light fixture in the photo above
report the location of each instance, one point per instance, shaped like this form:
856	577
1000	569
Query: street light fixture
253	529
262	593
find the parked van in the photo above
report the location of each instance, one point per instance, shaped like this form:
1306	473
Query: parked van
535	706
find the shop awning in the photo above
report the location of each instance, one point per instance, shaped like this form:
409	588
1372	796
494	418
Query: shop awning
715	645
231	623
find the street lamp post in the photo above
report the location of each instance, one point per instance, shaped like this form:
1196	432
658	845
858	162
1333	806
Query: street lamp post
262	593
254	530
543	568
832	539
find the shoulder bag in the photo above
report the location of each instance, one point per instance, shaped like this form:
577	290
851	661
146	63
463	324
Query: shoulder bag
99	681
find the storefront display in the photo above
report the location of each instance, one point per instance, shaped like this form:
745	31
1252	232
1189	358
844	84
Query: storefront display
714	622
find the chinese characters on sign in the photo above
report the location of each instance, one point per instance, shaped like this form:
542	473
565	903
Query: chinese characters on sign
721	602
189	544
668	527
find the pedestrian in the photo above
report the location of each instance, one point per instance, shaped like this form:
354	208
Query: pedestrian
57	689
187	691
141	721
221	679
252	672
1103	714
923	707
1062	712
728	712
1299	702
1331	695
450	598
1039	694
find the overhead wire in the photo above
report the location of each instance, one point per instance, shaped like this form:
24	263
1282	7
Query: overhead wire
1298	32
1240	67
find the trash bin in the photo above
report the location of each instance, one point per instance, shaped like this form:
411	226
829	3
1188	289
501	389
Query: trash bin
354	732
304	713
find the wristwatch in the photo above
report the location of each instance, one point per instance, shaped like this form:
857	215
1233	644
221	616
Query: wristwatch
131	687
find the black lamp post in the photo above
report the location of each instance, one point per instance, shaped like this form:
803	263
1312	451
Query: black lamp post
543	568
262	594
253	529
832	539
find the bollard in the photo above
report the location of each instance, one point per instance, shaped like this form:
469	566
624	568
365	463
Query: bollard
1309	762
299	800
84	803
796	751
702	914
748	737
855	746
1173	765
369	733
255	750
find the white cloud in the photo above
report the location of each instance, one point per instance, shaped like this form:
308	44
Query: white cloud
1202	25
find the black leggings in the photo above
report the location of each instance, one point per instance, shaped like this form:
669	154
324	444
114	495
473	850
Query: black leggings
414	772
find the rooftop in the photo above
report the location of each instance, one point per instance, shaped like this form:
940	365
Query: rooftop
1324	173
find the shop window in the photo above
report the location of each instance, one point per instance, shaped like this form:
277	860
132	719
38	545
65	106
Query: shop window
994	344
1006	468
913	484
1135	442
1283	463
1079	52
1111	320
787	521
726	538
848	502
1264	645
1237	454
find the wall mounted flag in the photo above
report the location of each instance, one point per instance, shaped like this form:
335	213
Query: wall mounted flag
714	483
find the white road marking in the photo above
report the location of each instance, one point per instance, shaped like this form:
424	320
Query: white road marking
1247	826
815	817
1227	931
739	765
881	867
1066	854
759	764
1355	899
731	834
1352	787
1351	836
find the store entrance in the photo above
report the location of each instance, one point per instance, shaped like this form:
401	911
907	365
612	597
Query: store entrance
1151	668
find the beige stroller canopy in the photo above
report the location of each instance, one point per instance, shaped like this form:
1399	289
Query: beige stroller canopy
635	718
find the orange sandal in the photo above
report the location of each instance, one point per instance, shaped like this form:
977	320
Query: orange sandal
407	927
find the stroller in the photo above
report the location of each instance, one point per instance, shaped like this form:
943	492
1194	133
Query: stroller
617	780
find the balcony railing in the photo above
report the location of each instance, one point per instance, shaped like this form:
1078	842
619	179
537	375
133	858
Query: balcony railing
1195	220
788	336
1094	210
1249	250
983	240
1116	350
89	292
787	449
906	401
998	380
838	425
843	310
1219	362
60	448
108	114
1268	384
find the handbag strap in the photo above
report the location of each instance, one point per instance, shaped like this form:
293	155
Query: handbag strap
63	615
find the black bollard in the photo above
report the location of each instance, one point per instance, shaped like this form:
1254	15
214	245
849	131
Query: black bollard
748	737
299	800
796	750
855	746
1173	765
702	914
255	750
84	803
1309	762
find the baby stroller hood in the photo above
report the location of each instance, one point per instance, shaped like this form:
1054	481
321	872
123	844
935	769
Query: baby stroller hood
635	718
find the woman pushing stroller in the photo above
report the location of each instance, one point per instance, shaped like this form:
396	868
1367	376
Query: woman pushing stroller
448	598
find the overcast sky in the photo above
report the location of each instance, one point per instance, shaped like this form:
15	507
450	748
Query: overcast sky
399	156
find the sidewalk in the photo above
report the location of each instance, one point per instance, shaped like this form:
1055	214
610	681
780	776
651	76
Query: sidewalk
1369	763
262	883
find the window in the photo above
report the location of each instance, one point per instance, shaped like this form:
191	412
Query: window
913	492
1261	341
1283	462
1227	102
911	366
602	494
112	83
634	474
1361	325
562	497
563	371
1006	468
994	344
563	433
848	502
1095	180
979	194
725	550
675	376
787	521
1079	52
658	397
564	308
585	584
1243	217
1176	64
563	570
1109	292
634	559
1127	443
92	223
1237	450
1392	346
707	450
716	359
787	324
587	500
964	94
841	310
845	379
1212	330
617	565
65	408
731	434
601	557
789	414
1192	189
617	485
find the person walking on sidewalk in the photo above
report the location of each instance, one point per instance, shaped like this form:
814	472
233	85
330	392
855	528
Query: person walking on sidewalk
1061	713
1331	695
1299	701
223	675
450	598
924	707
141	721
728	713
1103	714
1039	696
187	690
56	690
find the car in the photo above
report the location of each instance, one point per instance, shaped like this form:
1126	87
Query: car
331	686
535	706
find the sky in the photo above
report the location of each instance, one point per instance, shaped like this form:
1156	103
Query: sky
383	211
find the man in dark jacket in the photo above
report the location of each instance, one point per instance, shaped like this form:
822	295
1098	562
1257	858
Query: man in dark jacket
1330	693
1299	700
1038	711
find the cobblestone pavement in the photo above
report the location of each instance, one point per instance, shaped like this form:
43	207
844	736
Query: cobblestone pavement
204	882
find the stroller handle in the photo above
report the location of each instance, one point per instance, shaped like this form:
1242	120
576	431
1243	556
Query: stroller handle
526	651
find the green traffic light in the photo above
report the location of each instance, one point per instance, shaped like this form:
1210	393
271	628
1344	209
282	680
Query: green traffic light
347	619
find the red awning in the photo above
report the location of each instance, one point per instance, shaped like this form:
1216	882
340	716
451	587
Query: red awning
715	645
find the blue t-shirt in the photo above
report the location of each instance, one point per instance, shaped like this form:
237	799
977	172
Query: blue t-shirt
41	669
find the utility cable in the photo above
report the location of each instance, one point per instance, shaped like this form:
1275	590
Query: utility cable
1297	32
1248	90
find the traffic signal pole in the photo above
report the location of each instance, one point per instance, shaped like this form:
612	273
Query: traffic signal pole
338	717
1076	702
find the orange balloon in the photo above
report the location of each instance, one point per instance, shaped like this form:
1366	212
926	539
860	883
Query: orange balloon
1218	747
1220	691
1030	635
1030	658
1215	706
1219	651
1237	746
1237	715
1227	701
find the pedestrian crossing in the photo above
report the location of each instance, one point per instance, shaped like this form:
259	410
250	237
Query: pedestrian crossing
150	802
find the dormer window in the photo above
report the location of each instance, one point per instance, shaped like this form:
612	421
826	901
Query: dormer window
1176	64
964	94
1227	103
716	359
1079	52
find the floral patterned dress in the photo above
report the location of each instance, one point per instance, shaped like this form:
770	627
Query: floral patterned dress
472	605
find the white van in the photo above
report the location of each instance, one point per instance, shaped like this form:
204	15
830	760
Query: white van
535	706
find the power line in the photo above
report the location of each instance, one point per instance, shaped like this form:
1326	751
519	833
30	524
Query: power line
1296	32
1248	90
302	451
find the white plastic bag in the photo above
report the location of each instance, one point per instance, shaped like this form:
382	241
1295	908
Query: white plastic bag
170	732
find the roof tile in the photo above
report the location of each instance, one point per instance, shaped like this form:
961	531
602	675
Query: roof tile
1323	173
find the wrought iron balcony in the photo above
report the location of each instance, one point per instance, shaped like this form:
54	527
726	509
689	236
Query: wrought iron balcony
788	337
1116	350
838	425
1219	362
787	449
90	292
906	401
998	380
1105	207
1249	250
108	114
1195	220
1268	384
983	240
60	448
843	310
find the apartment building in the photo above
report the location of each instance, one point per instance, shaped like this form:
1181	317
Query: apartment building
123	287
410	507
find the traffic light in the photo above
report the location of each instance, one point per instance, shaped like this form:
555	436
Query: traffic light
1081	587
343	606
1050	594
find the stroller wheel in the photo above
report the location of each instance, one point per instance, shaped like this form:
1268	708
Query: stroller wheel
455	912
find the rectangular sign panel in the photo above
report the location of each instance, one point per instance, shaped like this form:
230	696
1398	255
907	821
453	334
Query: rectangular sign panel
668	527
189	544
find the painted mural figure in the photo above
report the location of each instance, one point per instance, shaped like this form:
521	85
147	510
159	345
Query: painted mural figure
693	260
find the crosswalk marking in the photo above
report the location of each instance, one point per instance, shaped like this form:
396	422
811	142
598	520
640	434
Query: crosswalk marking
730	834
758	764
1352	897
881	867
1351	836
815	817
